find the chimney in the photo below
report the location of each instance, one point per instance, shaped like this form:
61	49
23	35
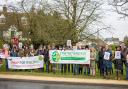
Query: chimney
32	8
4	8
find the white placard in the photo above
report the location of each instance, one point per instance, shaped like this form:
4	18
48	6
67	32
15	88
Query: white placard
106	55
117	54
20	45
69	43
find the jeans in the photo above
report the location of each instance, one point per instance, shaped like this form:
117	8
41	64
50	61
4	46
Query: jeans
69	68
86	68
78	68
101	69
6	61
74	69
54	66
63	68
107	67
47	66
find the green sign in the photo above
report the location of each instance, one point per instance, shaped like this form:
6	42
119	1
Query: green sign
70	56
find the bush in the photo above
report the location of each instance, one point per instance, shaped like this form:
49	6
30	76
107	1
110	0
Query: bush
113	47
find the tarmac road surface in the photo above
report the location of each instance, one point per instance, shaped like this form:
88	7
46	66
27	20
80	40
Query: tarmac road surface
32	85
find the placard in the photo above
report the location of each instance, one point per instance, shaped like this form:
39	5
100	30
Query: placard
117	54
69	43
106	55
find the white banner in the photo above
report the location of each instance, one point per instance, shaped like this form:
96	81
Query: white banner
26	62
70	56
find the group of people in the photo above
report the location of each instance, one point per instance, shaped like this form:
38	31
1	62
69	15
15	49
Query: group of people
118	57
101	58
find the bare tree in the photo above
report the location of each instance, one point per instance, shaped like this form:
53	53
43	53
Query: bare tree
120	6
80	13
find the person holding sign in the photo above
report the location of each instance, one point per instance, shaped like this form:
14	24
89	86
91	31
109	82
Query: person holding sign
107	62
101	60
118	62
127	66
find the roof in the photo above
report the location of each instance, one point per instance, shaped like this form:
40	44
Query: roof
2	16
111	39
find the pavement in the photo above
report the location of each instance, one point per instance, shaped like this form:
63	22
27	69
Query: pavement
62	80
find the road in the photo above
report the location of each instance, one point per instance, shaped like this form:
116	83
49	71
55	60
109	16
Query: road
29	85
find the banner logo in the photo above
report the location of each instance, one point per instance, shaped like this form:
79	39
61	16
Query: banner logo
56	56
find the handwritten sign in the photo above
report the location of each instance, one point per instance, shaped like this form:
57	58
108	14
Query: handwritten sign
106	55
117	54
69	43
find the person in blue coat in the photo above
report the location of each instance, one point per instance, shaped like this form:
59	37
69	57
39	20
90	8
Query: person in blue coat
107	62
14	52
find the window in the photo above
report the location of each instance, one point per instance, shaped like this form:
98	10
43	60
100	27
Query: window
2	19
24	20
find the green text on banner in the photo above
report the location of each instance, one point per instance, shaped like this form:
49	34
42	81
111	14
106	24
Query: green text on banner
70	56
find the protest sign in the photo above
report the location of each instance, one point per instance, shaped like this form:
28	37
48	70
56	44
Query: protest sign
70	56
26	62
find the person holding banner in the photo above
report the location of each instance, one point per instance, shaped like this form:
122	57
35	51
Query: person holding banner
40	51
6	53
107	62
86	66
21	52
32	51
14	52
92	61
118	62
26	51
46	57
63	66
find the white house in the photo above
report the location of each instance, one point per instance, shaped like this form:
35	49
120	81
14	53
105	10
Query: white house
111	41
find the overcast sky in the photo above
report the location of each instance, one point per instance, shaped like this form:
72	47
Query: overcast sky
111	18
